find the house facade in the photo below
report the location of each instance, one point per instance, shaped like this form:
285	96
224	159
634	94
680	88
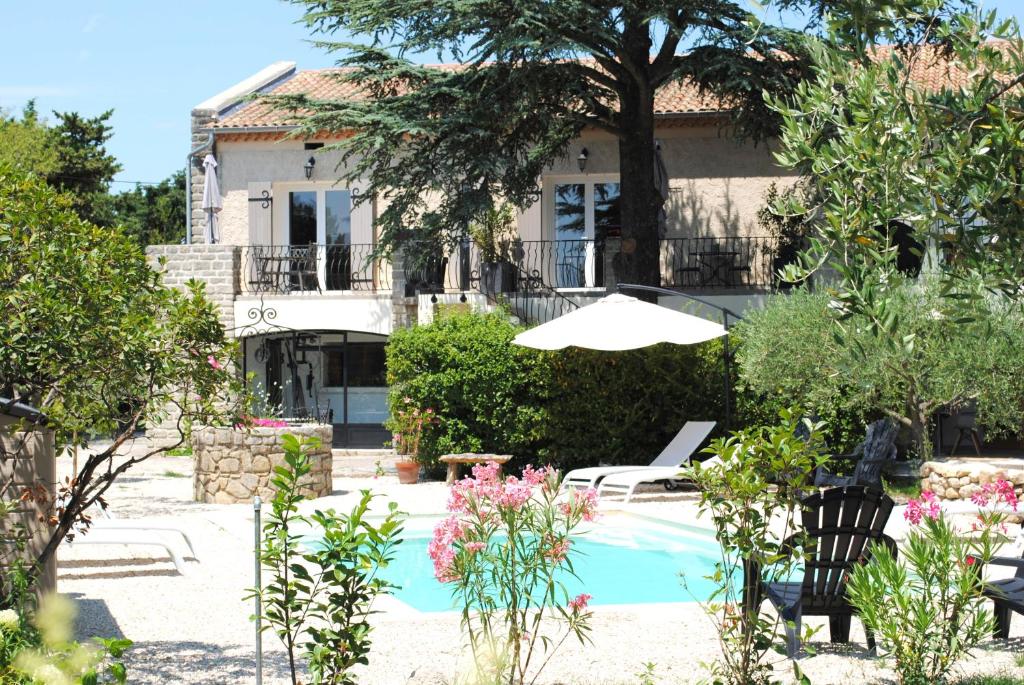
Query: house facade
294	275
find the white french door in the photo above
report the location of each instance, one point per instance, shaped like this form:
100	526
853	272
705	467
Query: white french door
583	211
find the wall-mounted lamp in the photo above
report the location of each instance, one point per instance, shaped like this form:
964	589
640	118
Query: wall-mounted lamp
581	161
308	167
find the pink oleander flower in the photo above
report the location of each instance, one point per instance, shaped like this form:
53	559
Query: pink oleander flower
558	551
579	603
536	476
212	361
1001	490
486	473
916	509
474	547
441	548
585	502
513	494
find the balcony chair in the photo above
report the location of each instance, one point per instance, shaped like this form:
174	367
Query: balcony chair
838	525
303	269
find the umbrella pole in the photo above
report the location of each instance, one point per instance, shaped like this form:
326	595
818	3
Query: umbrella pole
727	359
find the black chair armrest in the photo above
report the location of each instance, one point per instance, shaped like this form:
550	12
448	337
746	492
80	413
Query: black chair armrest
1008	561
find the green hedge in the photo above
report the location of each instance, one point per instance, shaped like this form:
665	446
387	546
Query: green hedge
568	408
482	387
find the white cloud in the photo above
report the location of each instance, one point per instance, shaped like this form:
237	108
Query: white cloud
91	24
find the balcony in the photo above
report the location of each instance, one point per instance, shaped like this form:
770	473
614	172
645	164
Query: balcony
288	269
702	264
690	264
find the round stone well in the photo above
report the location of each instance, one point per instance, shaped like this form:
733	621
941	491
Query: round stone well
234	465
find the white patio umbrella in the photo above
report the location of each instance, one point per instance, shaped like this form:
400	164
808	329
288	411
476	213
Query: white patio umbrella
620	322
212	201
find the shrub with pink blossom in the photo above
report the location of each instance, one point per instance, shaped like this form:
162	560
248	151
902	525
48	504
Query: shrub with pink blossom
927	608
503	549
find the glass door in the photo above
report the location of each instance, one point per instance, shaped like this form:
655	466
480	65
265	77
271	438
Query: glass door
585	213
319	240
338	266
571	236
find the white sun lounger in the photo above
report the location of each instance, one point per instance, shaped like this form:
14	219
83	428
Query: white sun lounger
625	483
675	455
109	530
111	536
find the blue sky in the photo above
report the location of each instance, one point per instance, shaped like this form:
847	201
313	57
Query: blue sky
151	62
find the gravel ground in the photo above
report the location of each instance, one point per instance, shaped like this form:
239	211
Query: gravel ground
195	628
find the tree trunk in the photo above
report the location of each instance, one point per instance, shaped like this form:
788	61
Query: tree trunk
640	204
640	201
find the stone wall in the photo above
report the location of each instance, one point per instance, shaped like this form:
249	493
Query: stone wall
960	480
201	119
28	462
233	466
217	266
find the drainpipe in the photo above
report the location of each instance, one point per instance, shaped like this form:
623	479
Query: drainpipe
208	145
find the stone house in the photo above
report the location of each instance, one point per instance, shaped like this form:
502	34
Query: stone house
296	283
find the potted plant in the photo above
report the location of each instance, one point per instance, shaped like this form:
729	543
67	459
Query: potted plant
494	233
408	425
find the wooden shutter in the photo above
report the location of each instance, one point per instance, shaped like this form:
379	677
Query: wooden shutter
261	214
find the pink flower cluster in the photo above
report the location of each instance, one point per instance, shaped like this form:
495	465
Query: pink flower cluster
442	548
485	490
558	550
1001	491
928	506
584	502
270	423
579	602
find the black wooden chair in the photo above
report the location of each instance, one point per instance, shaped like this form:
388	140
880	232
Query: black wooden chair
878	447
838	526
1007	594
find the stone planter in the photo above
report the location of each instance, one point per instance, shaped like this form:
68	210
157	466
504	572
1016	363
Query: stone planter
233	466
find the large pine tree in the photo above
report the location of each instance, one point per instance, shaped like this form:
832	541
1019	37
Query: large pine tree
439	143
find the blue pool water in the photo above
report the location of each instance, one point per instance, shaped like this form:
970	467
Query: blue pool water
621	559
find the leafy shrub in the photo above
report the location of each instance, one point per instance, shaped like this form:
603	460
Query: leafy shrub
568	407
482	388
846	371
624	407
320	595
928	609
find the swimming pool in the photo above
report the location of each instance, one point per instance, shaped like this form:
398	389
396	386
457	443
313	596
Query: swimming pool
621	559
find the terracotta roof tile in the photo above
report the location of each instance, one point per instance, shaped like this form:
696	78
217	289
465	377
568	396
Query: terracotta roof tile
677	98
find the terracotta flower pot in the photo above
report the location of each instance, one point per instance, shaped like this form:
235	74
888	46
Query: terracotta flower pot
408	472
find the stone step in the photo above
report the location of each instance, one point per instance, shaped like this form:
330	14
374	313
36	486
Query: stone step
363	463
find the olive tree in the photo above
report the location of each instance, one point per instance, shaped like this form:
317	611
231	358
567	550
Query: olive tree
792	350
92	338
883	149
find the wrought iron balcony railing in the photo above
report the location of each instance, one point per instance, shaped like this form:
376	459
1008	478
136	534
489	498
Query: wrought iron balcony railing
313	269
718	263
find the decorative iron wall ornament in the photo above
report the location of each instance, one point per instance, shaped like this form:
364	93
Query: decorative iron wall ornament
265	199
